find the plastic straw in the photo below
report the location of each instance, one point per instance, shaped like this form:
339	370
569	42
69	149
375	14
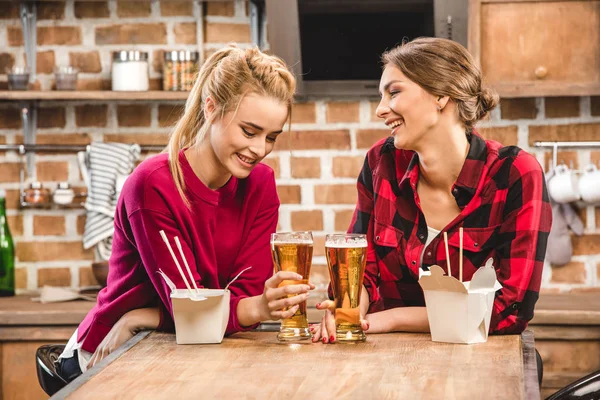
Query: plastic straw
237	276
460	255
164	237
187	267
447	252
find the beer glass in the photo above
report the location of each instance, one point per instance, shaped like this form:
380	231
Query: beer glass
292	251
346	260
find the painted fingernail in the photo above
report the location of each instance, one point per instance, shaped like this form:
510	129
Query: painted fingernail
332	339
318	305
324	340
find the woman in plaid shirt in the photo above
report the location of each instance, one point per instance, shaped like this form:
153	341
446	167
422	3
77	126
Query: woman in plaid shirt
434	174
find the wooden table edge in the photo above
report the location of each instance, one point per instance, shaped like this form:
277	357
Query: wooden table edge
91	373
530	373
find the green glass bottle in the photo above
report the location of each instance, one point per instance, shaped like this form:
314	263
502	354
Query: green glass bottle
7	252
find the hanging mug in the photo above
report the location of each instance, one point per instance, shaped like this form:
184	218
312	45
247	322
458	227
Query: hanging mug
564	185
589	184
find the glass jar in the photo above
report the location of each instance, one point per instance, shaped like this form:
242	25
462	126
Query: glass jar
63	194
171	71
130	71
66	78
189	69
36	195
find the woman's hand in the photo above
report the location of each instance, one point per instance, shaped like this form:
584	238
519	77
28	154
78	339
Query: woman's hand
325	331
125	328
275	299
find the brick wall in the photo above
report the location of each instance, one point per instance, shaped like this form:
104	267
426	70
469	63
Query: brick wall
316	178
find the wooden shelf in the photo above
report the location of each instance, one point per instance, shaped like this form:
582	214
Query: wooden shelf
97	95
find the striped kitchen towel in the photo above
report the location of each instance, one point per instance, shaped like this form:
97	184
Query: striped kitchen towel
107	162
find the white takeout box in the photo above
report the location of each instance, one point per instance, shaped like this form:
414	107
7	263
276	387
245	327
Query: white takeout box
201	318
460	312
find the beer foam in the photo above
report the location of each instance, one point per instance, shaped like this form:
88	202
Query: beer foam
292	241
346	245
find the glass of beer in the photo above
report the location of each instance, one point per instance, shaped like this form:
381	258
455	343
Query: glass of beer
346	260
292	251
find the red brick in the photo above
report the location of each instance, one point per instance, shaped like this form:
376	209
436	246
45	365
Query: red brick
91	9
93	84
520	108
157	60
13	199
224	33
52	171
313	140
221	8
318	246
304	113
14	36
564	133
131	9
582	213
54	277
134	114
10	172
86	277
15	224
7	61
562	107
48	225
595	105
144	139
574	272
343	219
374	117
567	157
366	138
595	157
507	135
50	10
342	112
335	194
91	115
51	117
131	34
45	62
288	194
20	278
185	33
9	11
347	167
169	114
81	224
52	251
307	220
59	35
306	167
10	118
88	61
273	162
176	8
586	244
60	138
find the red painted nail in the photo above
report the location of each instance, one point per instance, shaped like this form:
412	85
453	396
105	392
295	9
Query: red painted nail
324	340
318	305
332	338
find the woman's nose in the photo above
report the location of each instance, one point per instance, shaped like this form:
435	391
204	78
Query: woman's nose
382	109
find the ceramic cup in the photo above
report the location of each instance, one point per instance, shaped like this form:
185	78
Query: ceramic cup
589	184
564	185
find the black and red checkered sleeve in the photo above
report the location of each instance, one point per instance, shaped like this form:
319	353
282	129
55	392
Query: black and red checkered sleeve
362	222
527	218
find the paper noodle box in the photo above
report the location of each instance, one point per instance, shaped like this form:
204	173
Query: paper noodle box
200	318
460	312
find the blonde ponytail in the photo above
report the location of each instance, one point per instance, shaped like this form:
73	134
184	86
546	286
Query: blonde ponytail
226	76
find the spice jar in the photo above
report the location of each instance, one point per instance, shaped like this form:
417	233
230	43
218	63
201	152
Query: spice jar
36	195
130	71
171	67
189	69
63	194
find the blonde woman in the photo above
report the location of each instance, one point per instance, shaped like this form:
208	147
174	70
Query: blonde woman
212	192
435	174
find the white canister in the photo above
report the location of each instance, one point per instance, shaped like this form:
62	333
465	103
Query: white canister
130	71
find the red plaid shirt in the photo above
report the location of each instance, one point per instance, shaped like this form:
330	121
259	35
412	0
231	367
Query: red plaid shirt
505	214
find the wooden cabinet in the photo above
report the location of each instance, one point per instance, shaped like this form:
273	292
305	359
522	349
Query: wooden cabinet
537	48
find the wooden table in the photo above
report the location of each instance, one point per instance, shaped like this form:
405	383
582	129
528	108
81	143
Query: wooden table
254	365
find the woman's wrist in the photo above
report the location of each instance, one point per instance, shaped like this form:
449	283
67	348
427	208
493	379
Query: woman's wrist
142	318
250	311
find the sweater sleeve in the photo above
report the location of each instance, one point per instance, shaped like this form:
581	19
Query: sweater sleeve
256	253
146	226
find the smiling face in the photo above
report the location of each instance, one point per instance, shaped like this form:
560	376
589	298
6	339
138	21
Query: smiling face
407	109
242	138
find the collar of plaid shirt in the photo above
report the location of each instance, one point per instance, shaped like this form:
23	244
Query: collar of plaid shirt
505	215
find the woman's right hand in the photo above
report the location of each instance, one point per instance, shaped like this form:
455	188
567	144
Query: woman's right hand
275	300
